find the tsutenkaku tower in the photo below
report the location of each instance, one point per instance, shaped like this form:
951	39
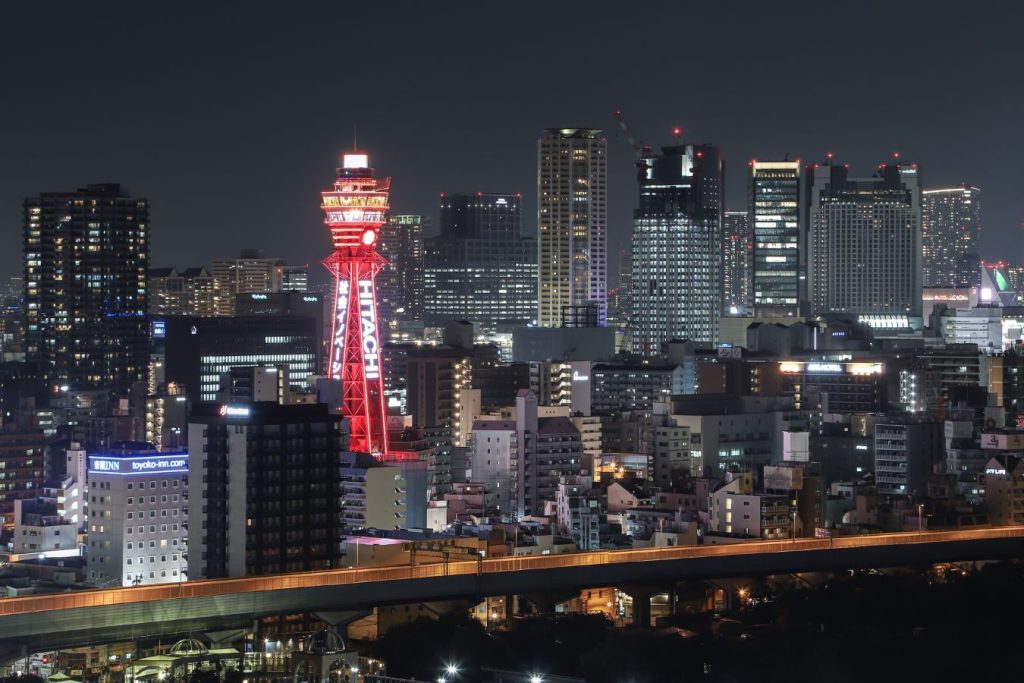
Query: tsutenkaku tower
354	209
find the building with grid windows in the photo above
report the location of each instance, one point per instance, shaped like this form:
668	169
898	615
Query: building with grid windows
197	352
864	241
191	291
137	516
775	217
737	248
400	283
267	488
950	227
572	225
86	294
480	268
676	248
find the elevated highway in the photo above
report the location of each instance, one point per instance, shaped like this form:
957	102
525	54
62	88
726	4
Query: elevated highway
64	620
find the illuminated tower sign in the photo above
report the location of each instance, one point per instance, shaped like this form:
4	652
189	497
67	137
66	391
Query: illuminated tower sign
354	209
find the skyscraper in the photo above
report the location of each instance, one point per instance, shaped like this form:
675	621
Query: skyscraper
950	225
864	238
86	259
400	284
676	247
737	246
775	218
480	268
572	226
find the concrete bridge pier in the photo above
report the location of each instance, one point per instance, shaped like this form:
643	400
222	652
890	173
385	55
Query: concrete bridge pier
641	595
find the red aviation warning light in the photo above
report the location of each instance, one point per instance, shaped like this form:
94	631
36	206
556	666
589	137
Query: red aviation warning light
355	208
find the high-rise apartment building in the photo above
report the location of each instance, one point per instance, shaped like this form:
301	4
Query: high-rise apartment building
480	268
21	461
192	291
400	283
253	273
864	241
266	489
775	218
572	224
86	293
676	247
737	248
950	227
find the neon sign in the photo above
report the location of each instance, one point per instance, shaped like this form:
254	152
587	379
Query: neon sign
340	314
161	463
825	368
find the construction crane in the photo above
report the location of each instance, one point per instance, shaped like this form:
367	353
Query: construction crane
640	150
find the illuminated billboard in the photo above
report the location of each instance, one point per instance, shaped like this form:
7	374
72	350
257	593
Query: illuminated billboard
154	463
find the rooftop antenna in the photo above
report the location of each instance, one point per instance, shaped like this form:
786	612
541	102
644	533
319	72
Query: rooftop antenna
355	138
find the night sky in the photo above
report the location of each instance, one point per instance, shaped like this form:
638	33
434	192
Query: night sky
229	117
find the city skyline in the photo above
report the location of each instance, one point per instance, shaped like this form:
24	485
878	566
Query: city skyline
263	110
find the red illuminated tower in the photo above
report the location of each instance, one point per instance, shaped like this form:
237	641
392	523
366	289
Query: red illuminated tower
354	209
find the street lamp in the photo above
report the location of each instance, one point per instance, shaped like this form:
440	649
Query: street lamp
920	520
452	669
535	678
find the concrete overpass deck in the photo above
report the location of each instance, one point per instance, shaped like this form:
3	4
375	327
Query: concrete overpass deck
85	617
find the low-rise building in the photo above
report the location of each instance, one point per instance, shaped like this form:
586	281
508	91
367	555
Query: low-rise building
39	528
1004	489
737	509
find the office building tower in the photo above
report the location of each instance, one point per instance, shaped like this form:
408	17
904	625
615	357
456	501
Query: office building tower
737	248
676	247
86	295
292	278
950	227
266	489
864	241
775	218
480	268
572	224
197	352
138	516
400	283
192	291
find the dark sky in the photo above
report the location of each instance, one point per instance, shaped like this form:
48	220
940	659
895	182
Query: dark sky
229	116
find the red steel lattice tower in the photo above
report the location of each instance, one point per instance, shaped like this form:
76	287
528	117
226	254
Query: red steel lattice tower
354	209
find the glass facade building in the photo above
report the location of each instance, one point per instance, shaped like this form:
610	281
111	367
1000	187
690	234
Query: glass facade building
676	248
400	283
480	268
737	246
199	351
775	217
